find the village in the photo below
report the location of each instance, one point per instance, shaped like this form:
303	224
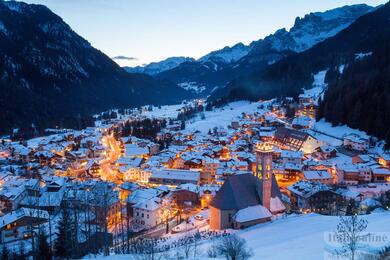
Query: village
148	173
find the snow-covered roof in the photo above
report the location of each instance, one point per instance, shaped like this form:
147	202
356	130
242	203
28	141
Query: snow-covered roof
149	205
381	171
291	154
189	175
307	188
20	213
134	150
317	175
355	138
252	213
276	205
189	186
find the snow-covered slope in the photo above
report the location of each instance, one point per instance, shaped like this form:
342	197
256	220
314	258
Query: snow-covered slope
297	237
157	67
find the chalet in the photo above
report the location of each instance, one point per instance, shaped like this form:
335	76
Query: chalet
174	177
13	191
210	167
323	177
93	168
355	142
305	99
296	140
384	160
291	156
22	153
142	195
312	196
186	195
45	158
147	214
380	174
308	110
98	151
362	158
325	152
353	174
241	202
301	122
18	224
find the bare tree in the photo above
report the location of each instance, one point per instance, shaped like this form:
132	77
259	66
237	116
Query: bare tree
349	232
234	248
212	252
197	237
187	246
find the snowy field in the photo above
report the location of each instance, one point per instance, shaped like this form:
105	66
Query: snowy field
337	131
168	111
221	117
296	237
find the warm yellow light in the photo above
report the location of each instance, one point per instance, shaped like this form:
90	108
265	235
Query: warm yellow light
263	147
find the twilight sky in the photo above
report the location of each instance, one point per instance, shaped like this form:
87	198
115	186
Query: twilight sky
152	30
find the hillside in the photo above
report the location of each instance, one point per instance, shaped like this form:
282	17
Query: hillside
360	95
50	76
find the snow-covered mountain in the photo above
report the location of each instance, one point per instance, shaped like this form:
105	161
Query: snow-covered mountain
227	54
219	67
160	66
306	32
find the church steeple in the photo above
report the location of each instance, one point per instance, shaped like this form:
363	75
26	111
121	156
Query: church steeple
264	170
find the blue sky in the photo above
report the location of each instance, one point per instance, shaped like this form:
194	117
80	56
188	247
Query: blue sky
152	30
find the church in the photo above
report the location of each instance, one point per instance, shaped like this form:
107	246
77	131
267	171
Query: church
245	199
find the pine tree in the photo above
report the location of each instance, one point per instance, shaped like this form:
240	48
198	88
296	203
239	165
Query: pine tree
43	246
5	254
62	246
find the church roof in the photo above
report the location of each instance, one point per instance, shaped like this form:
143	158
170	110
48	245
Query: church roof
242	191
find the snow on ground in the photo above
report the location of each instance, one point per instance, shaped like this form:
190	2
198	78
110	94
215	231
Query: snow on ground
221	117
326	138
296	237
192	86
359	56
169	111
337	131
319	78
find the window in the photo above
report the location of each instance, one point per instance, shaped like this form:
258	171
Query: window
142	214
147	216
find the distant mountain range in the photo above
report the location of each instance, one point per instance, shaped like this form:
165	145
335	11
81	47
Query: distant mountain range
357	60
157	67
50	76
219	67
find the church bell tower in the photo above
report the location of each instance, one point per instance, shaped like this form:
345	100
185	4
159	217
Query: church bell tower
264	170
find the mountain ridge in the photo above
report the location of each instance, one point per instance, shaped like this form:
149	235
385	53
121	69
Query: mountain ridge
261	53
51	76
